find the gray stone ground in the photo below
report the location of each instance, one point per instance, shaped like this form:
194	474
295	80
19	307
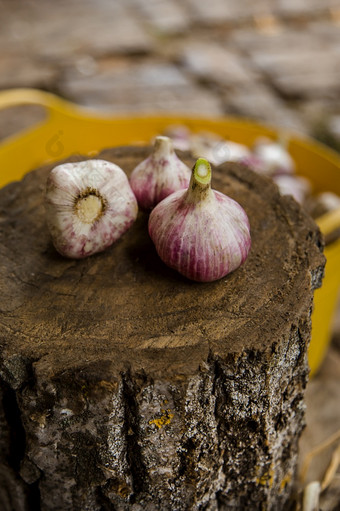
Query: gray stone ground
271	60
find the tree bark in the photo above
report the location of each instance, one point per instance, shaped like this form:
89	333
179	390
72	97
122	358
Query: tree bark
126	386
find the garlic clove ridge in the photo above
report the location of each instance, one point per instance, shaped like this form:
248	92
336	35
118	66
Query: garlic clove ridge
89	205
159	175
200	232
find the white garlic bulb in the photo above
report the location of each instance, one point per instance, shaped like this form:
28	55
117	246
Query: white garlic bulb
217	150
89	205
161	174
229	151
200	232
297	186
329	201
273	157
180	136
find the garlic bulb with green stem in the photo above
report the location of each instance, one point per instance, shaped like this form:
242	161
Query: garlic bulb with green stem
89	205
200	232
161	174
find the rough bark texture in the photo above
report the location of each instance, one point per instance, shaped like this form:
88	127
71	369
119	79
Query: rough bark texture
126	386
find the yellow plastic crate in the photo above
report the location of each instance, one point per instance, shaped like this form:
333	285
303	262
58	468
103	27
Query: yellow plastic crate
69	129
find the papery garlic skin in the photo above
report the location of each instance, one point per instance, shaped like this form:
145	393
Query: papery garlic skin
274	157
200	232
297	186
160	175
329	201
89	205
216	149
229	151
180	136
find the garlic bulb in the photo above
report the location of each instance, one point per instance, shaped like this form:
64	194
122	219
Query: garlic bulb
216	149
89	205
229	151
180	136
297	186
274	157
161	174
329	201
200	232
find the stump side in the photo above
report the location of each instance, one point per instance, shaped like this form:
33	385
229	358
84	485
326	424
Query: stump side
134	388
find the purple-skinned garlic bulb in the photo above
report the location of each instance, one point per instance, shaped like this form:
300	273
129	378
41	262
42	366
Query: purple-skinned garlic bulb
200	232
161	174
89	205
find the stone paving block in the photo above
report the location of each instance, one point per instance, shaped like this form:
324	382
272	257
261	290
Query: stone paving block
326	31
57	30
294	8
287	38
214	11
249	9
18	118
258	101
18	71
141	87
226	11
110	28
215	64
297	62
166	16
324	84
312	73
302	61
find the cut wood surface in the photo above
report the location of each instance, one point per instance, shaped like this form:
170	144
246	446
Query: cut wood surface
127	386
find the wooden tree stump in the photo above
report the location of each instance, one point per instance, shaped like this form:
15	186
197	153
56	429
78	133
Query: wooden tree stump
126	386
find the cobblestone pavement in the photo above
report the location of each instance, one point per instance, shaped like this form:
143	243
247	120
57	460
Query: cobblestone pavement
273	60
277	61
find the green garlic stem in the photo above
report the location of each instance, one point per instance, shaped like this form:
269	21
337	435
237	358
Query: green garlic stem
199	186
